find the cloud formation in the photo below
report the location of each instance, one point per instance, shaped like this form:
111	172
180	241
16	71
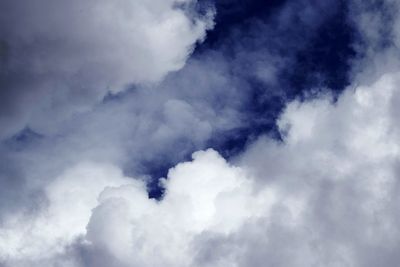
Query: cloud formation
72	194
59	59
326	196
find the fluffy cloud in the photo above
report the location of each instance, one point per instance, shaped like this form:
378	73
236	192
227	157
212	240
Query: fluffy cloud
64	213
137	130
379	34
325	196
59	59
146	126
342	160
124	224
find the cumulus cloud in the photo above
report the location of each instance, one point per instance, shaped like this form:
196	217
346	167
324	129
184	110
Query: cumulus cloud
59	59
137	130
63	215
343	161
378	25
325	196
116	218
153	123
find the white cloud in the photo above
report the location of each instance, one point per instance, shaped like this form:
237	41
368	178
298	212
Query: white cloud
63	216
342	161
326	196
64	57
204	195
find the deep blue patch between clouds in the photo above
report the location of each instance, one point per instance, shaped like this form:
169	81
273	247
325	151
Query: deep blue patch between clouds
323	64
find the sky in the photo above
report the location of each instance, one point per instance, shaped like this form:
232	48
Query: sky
188	133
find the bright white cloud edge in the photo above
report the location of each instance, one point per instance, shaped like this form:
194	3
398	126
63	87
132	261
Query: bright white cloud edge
72	54
330	188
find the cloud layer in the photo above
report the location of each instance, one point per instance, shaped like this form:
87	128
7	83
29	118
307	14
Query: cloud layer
62	58
72	187
326	196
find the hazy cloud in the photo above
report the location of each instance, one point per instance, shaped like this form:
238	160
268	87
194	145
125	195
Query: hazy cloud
60	58
326	194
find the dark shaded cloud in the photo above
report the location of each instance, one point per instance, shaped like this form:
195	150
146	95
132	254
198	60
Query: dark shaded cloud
60	59
304	164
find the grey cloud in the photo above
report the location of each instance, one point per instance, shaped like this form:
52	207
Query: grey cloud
325	196
59	59
330	201
378	34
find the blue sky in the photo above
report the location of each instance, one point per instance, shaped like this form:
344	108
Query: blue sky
199	133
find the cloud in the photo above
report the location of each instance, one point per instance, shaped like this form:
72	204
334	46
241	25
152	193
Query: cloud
325	196
342	161
127	226
378	38
64	213
150	124
59	59
137	130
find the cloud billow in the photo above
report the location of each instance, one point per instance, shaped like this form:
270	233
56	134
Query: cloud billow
324	194
63	58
